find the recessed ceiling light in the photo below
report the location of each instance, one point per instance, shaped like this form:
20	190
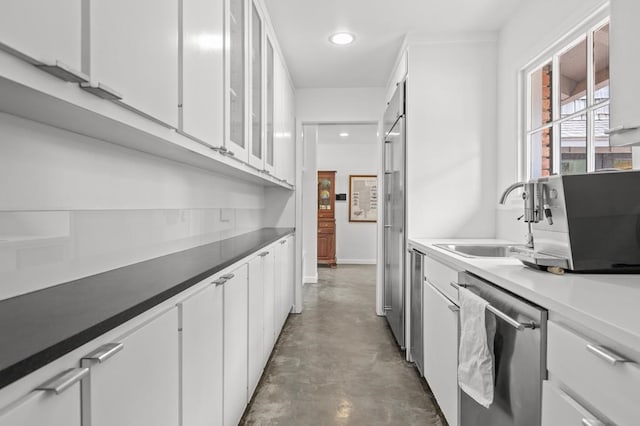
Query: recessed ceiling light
344	134
342	39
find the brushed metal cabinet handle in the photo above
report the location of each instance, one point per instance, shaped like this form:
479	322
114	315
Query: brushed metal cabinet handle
219	281
453	308
263	254
101	91
64	72
591	422
228	276
607	355
64	381
104	352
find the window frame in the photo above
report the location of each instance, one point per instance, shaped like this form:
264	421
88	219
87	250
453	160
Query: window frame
584	31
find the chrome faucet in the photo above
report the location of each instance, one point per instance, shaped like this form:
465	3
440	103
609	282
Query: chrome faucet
509	190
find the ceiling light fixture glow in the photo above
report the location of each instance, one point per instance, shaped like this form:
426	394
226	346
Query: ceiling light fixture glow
342	38
344	134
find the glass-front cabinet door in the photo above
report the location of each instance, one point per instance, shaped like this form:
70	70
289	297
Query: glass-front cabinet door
256	157
269	152
236	80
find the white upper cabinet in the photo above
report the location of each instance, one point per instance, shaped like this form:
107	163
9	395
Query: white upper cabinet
47	32
256	155
397	76
269	108
236	79
203	70
134	52
625	68
284	123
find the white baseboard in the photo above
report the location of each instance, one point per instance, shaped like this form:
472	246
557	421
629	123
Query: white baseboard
356	262
310	280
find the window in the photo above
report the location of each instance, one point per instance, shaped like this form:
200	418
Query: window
567	101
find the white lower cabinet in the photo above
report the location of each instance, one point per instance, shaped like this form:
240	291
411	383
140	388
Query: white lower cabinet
283	282
256	323
558	408
235	345
441	351
134	381
56	403
269	309
201	324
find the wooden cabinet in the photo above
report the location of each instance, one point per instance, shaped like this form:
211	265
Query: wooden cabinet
134	380
55	403
441	350
624	71
46	31
201	363
326	218
135	53
235	345
203	70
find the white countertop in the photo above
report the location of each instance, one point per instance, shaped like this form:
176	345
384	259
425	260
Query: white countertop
608	304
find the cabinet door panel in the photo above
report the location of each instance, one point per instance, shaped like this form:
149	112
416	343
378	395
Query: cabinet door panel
236	79
441	351
269	304
44	30
625	67
134	50
560	409
235	346
256	154
202	333
203	70
44	408
256	318
139	384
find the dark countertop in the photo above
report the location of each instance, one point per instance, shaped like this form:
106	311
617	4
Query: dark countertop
39	327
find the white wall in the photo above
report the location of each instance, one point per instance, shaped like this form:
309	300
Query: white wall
355	155
329	105
72	206
451	143
533	28
308	193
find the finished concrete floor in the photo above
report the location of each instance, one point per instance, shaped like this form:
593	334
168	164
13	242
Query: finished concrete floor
337	363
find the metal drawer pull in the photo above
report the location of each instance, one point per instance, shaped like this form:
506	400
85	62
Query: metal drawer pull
227	276
64	381
63	72
607	355
458	285
497	312
387	226
263	254
104	352
453	308
591	422
101	91
283	242
219	281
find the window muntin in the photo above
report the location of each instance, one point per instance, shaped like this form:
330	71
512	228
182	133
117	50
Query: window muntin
568	104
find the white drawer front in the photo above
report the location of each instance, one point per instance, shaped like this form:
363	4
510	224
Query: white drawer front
612	389
558	408
441	276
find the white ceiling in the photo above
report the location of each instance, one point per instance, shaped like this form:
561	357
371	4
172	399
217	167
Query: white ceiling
357	133
304	26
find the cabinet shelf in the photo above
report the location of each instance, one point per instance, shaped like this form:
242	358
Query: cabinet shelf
30	93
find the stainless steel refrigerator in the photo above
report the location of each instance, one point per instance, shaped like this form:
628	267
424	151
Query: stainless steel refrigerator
394	214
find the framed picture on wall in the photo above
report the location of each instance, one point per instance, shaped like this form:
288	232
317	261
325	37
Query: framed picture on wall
363	198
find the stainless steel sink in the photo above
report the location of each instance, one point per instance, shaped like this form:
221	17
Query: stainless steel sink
481	250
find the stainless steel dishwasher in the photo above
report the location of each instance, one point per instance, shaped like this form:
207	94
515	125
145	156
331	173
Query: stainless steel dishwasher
416	348
520	359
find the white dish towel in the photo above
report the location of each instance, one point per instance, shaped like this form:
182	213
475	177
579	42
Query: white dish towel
475	357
